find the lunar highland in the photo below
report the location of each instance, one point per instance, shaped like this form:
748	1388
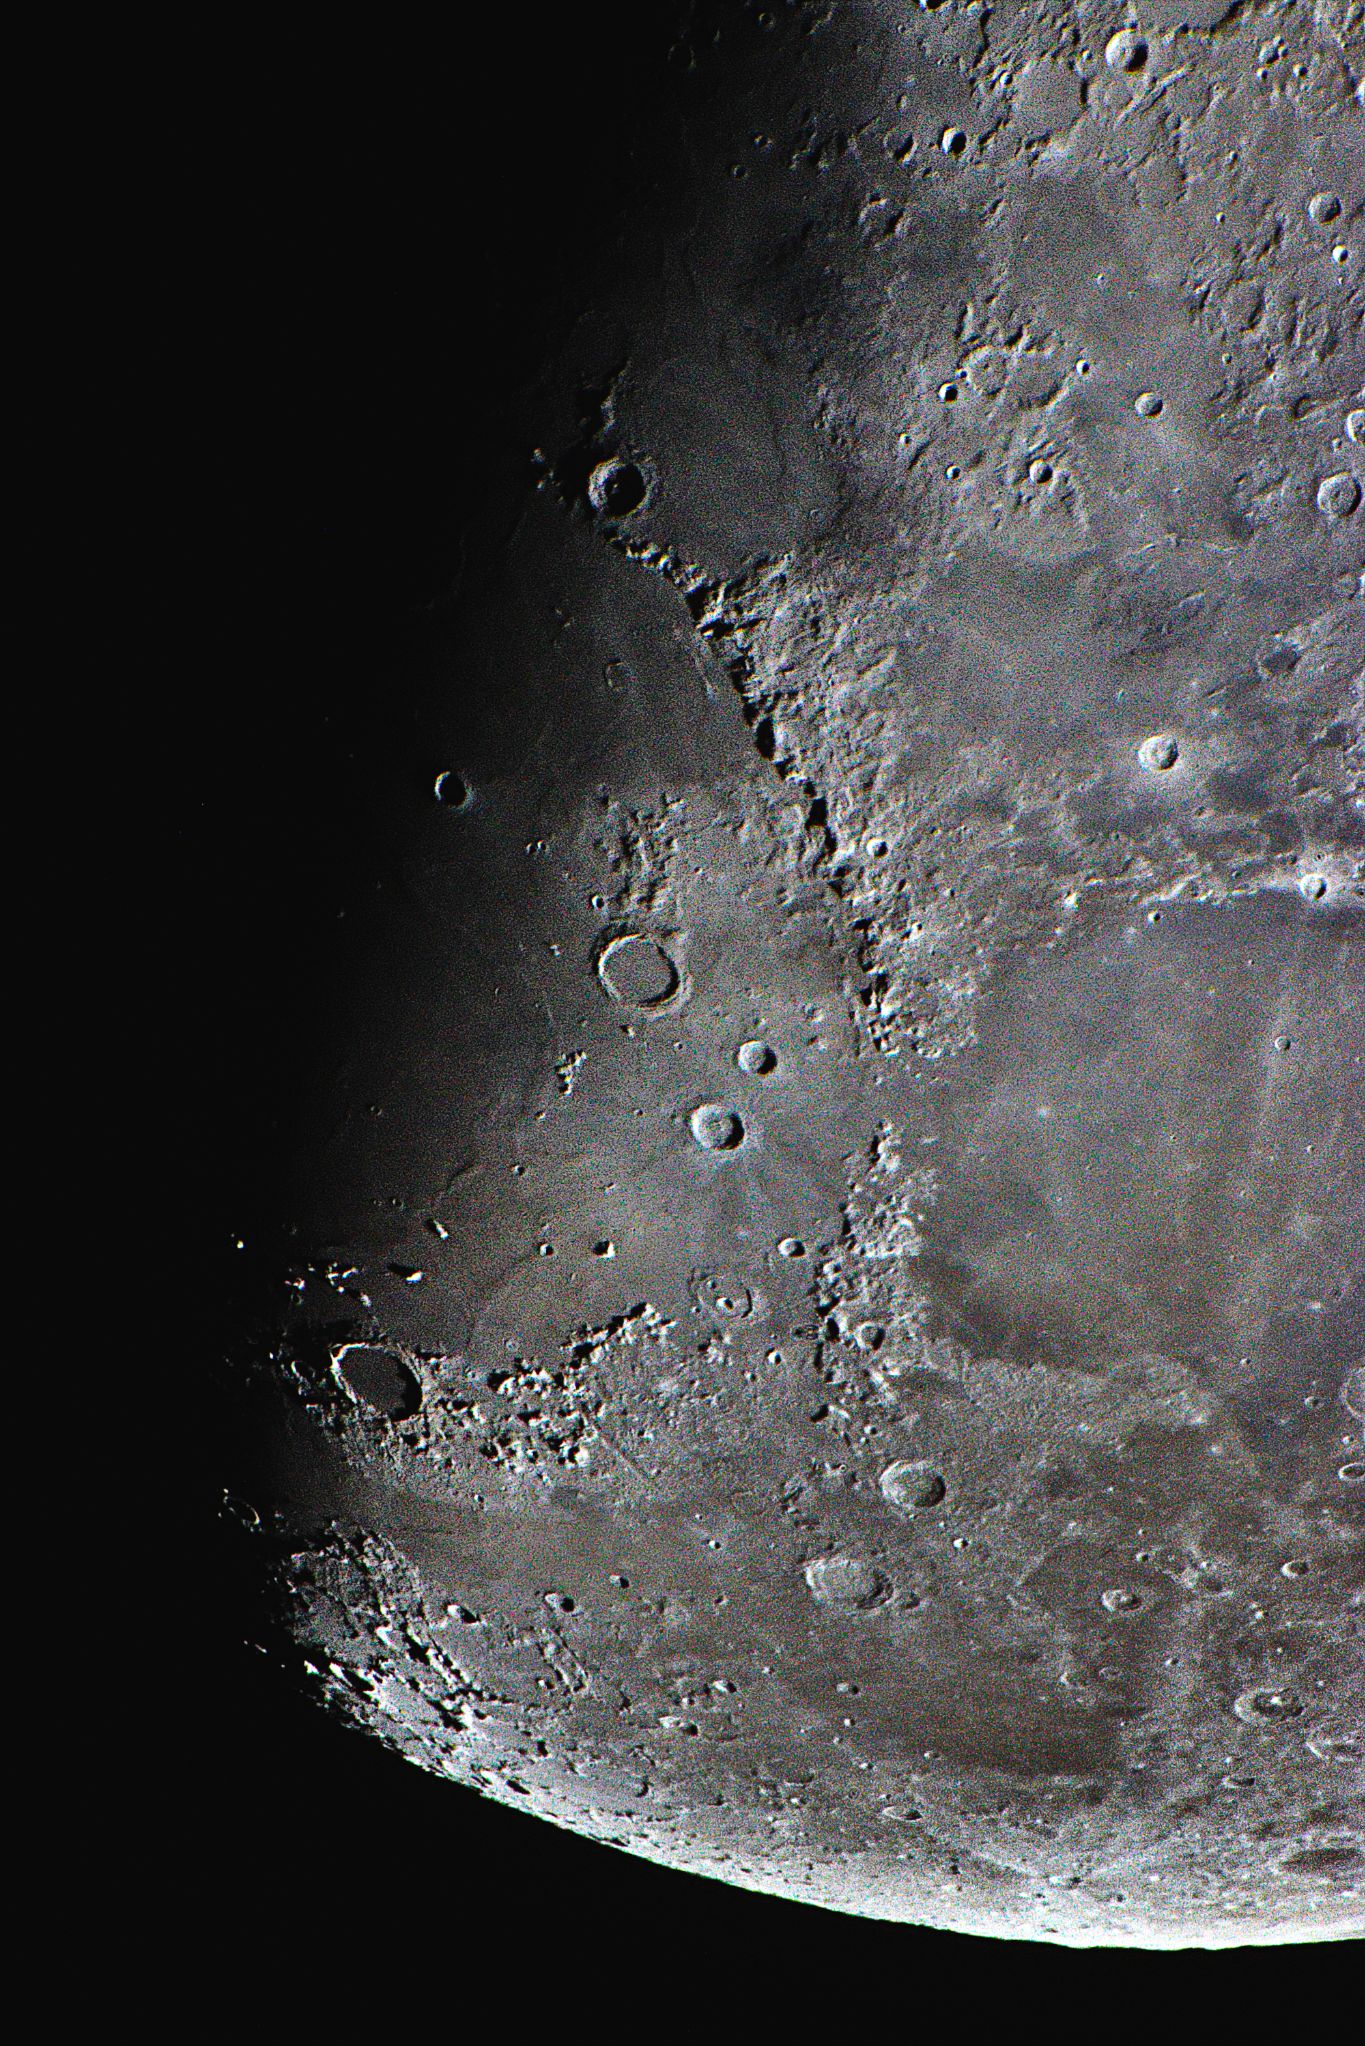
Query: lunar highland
818	1333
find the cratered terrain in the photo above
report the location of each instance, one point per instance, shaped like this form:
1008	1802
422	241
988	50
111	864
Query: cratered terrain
814	1317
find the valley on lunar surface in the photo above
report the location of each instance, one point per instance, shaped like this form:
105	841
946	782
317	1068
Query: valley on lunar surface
818	1334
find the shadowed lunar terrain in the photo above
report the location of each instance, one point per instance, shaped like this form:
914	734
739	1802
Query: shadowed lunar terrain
812	1317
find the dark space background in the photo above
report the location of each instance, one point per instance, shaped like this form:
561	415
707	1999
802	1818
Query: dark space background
324	263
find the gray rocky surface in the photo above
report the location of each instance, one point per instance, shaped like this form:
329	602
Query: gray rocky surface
824	1339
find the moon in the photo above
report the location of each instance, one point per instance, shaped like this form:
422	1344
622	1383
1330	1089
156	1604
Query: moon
818	1334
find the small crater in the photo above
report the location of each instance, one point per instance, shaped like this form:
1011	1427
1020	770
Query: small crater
617	488
912	1486
1339	495
987	370
717	1128
1121	1600
1323	208
1160	753
756	1057
1352	1473
638	969
953	143
725	1295
451	790
1258	1706
379	1380
1280	659
1313	887
1148	405
1126	51
1353	1392
847	1581
791	1246
1295	1567
1355	426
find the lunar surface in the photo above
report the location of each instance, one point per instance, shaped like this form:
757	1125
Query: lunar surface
818	1332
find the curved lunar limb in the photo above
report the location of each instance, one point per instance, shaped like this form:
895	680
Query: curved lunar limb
823	1339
